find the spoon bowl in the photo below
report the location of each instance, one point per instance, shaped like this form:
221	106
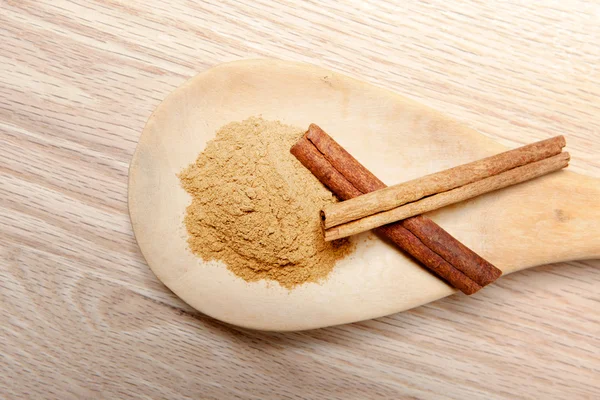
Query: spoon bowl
550	219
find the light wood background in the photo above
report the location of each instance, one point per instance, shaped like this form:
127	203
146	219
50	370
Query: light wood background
82	316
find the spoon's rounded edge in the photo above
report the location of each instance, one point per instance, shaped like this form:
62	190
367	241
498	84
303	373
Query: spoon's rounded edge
485	142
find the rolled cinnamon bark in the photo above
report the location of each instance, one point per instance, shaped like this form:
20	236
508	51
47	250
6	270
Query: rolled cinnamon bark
312	159
475	273
395	196
460	256
433	202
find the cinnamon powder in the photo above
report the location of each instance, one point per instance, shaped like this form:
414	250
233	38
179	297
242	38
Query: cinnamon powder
255	207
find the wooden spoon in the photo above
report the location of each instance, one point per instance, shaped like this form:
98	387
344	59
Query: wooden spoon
551	219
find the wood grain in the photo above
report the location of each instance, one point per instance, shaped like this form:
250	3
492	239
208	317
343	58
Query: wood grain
83	316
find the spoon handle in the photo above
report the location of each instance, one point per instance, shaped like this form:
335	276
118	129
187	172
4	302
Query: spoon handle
551	219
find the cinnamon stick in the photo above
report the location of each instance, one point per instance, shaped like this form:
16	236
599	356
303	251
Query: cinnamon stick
469	279
495	182
314	161
366	182
397	195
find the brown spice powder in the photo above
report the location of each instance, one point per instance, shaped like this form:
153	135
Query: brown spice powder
256	208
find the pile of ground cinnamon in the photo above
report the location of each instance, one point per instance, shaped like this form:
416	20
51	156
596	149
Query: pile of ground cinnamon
256	208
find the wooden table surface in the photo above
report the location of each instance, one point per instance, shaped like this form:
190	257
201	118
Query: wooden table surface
82	316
